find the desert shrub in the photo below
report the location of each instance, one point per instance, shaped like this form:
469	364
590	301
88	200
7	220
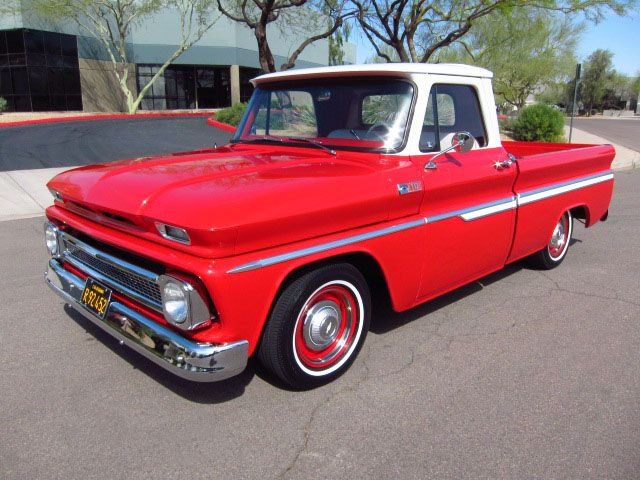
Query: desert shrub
3	104
538	123
231	115
505	124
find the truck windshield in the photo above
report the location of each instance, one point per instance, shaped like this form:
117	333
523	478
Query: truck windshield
351	114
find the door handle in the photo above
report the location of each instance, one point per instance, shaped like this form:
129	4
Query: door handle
502	164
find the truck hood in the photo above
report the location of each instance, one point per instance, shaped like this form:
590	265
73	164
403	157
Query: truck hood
237	198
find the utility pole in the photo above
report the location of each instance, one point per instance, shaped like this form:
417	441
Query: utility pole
575	96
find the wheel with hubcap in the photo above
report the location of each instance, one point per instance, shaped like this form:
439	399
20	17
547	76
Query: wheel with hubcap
317	326
553	254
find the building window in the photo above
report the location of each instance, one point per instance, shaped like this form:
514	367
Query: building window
246	88
185	87
39	71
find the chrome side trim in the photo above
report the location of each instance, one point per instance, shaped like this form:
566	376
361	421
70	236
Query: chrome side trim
199	362
467	214
510	204
477	211
265	262
563	187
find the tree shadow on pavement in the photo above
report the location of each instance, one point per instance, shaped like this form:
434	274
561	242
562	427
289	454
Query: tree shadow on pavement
207	393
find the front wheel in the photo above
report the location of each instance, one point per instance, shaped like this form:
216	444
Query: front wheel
317	326
552	255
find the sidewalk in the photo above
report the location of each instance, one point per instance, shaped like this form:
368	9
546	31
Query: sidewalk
23	193
625	157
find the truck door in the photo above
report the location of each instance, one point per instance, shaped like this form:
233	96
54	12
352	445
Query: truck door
468	201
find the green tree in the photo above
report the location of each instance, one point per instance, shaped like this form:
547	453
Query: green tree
305	18
598	72
635	85
555	93
336	43
111	23
618	89
9	7
526	49
417	29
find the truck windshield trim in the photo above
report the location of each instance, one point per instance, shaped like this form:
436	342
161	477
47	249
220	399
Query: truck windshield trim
356	114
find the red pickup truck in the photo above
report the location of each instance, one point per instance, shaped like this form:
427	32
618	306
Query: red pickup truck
338	182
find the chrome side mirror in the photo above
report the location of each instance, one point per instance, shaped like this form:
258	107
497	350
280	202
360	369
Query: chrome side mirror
462	142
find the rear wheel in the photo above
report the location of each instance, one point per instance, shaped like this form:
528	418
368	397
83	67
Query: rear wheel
317	326
553	254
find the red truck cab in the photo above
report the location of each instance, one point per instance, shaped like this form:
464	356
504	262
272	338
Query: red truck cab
338	182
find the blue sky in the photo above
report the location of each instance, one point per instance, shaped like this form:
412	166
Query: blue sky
621	35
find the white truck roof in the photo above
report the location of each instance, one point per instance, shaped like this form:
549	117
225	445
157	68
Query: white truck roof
376	69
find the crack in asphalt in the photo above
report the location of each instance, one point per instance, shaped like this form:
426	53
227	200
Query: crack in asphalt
434	328
349	388
560	288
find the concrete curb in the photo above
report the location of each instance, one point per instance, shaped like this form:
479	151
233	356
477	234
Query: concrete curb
625	157
223	126
23	193
108	116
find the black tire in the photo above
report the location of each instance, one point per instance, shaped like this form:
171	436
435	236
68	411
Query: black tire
324	313
555	251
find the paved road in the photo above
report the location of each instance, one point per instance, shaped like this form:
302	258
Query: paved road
625	132
524	374
69	144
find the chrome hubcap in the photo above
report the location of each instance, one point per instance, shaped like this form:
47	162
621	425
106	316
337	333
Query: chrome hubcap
327	327
321	325
558	237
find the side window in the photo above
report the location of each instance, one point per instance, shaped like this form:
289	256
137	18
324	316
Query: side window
450	109
445	108
289	114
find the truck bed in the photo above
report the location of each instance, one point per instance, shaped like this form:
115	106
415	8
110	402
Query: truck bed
525	149
566	176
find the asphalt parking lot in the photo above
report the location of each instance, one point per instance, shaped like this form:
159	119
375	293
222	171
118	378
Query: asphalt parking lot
523	374
623	131
67	144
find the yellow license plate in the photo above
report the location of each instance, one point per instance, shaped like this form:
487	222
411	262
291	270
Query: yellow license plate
96	297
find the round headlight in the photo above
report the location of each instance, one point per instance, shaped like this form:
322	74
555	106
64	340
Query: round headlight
51	238
175	302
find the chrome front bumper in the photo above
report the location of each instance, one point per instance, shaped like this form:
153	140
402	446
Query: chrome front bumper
199	362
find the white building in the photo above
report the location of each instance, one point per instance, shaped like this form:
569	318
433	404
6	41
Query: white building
45	66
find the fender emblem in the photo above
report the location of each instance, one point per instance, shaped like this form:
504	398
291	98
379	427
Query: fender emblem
410	187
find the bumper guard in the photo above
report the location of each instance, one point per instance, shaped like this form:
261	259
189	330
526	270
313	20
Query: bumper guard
199	362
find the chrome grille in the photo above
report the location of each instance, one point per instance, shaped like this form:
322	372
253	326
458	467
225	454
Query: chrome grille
127	278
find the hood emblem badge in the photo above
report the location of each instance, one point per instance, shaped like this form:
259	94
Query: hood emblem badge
410	187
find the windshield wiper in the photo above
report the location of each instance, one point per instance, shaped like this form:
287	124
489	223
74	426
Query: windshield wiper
311	142
262	138
271	138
